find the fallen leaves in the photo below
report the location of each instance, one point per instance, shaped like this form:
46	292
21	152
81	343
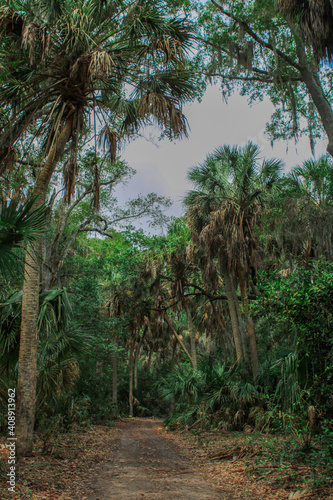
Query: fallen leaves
64	473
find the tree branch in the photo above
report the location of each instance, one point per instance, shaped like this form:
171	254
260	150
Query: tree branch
96	230
255	78
255	37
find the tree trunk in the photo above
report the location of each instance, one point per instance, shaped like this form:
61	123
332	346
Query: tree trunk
114	383
315	89
226	337
250	327
130	383
192	337
231	297
149	359
181	343
173	358
240	322
27	366
47	266
136	362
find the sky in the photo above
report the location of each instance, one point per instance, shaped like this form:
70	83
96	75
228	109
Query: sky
162	166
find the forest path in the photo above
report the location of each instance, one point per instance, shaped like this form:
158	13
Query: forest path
146	465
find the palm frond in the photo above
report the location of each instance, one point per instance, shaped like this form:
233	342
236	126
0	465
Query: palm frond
20	224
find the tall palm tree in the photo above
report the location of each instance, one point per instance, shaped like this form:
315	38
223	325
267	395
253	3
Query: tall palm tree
315	20
223	211
64	62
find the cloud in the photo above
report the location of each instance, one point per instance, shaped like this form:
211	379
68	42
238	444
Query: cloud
162	166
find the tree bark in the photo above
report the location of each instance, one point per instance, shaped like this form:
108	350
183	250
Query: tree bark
233	313
250	327
227	339
130	382
136	362
149	359
315	89
192	337
114	383
240	322
27	366
173	357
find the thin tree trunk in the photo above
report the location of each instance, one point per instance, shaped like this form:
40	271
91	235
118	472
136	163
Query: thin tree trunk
181	343
173	358
27	366
136	362
192	337
233	312
250	327
130	383
114	382
149	359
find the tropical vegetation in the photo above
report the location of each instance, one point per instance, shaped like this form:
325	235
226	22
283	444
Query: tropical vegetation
221	318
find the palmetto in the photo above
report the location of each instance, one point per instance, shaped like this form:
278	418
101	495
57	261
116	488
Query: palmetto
60	341
116	64
223	210
311	185
19	225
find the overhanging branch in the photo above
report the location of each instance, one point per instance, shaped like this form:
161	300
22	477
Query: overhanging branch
257	38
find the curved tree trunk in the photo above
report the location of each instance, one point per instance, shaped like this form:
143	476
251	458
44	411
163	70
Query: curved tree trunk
232	298
315	88
181	343
192	337
27	366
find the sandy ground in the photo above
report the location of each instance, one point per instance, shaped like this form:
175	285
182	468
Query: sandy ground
139	459
147	465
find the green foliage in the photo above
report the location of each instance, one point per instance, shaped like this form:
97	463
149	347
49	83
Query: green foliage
212	396
300	308
20	224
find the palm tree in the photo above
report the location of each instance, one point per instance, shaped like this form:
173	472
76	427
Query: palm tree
181	268
311	184
315	20
65	62
223	211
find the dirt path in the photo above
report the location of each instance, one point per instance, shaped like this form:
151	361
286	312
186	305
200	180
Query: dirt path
146	465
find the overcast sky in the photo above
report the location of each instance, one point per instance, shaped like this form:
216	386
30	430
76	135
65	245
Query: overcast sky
162	166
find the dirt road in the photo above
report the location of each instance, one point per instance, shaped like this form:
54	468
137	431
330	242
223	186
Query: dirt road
145	465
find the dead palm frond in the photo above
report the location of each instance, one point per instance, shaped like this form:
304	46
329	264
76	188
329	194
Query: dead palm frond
100	65
109	139
315	19
164	109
